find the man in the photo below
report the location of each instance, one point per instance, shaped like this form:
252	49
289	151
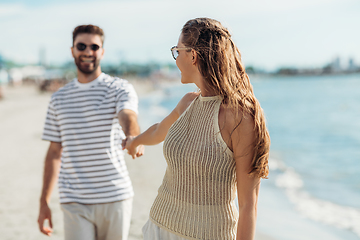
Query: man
86	121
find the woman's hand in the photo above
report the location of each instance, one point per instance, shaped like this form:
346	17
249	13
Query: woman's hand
132	148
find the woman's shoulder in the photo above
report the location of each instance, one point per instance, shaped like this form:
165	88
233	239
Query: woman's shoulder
190	96
236	118
185	101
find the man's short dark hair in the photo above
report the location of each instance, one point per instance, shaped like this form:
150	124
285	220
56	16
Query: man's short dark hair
91	29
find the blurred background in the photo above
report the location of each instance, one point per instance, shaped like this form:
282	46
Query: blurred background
303	59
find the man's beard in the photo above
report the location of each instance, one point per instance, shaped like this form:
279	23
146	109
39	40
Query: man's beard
86	70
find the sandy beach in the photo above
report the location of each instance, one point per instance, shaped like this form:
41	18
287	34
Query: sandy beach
22	152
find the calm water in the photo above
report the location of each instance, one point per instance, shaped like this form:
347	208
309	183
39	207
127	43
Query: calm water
314	124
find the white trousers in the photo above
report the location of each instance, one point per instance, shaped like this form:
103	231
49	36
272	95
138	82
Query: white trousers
153	232
107	221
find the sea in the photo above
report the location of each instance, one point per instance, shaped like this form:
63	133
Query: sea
313	189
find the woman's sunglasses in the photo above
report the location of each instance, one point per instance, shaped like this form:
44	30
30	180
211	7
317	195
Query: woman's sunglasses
82	46
175	52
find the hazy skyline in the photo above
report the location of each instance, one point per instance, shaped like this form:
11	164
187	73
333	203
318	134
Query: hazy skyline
269	34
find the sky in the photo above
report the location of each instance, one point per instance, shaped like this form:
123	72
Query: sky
269	33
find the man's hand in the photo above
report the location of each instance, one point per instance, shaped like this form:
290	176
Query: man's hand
51	171
45	213
133	150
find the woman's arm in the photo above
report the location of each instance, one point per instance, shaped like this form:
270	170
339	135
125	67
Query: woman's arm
247	186
157	132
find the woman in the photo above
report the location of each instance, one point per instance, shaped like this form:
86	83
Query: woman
216	143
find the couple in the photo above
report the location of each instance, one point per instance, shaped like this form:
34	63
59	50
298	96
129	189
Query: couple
215	143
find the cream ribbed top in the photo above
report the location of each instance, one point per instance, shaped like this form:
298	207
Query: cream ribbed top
196	198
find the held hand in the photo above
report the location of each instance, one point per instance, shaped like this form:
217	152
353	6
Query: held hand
131	148
140	150
123	143
45	213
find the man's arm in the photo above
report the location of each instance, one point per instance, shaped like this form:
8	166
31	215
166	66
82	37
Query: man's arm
129	124
51	171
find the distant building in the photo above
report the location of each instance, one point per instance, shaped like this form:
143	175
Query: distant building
17	75
1	62
335	65
352	66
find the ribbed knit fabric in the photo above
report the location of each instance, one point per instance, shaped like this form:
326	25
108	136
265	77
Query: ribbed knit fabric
196	198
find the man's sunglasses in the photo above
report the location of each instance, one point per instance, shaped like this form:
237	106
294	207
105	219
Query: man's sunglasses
82	46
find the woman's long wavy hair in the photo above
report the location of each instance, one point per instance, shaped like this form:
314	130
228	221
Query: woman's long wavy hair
219	62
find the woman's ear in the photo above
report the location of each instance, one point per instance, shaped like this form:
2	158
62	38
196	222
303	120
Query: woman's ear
194	57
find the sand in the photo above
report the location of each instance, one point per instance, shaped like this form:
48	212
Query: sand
22	152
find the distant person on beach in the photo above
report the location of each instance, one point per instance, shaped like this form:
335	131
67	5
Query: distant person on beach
85	124
216	143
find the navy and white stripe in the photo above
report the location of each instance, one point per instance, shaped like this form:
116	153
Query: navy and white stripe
83	117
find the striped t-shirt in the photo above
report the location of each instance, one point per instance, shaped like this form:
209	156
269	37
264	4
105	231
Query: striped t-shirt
83	117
